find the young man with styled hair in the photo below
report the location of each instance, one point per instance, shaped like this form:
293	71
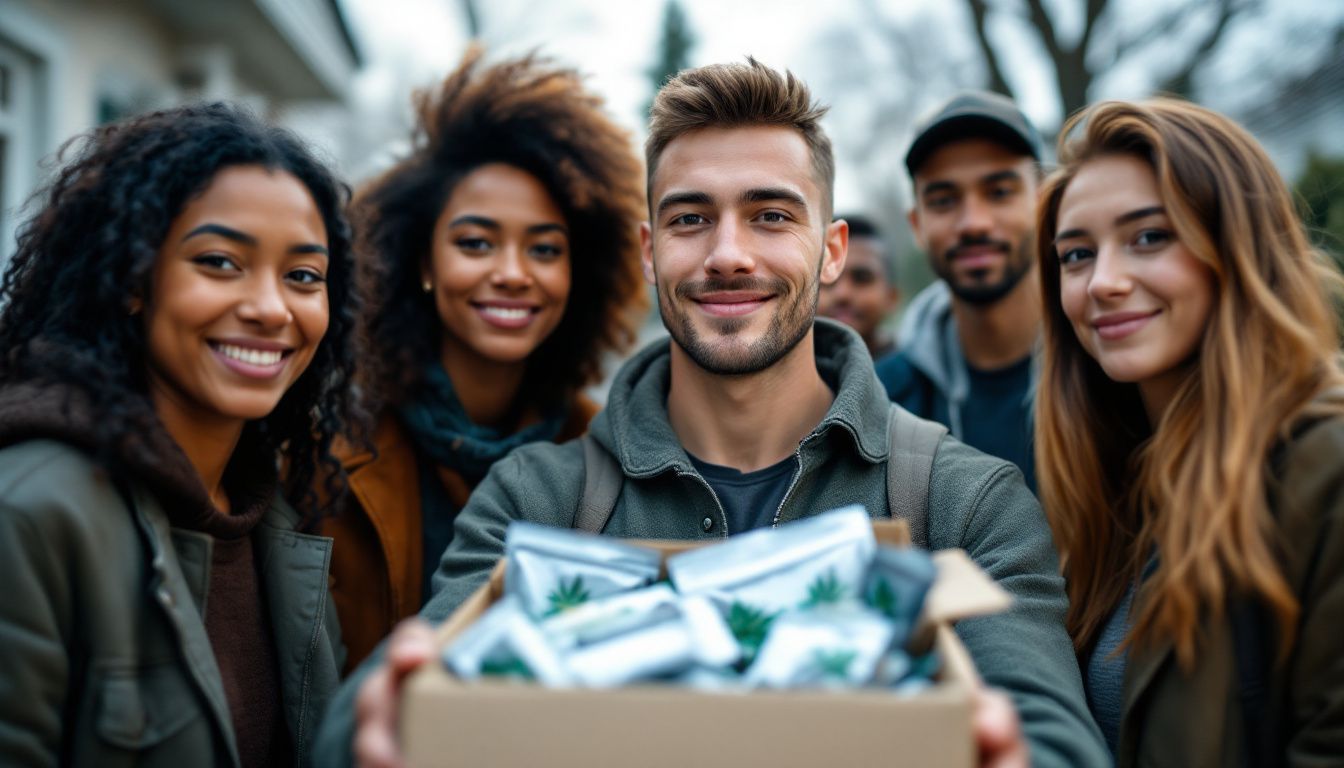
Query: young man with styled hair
754	414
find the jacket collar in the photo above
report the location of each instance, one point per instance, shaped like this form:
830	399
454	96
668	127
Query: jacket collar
635	429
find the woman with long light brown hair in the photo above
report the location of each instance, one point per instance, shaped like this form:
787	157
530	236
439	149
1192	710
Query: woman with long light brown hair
1190	440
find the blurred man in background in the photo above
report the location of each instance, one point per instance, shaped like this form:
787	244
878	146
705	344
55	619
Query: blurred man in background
866	293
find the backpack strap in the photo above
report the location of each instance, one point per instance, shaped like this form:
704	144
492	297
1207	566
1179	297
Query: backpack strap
913	443
602	478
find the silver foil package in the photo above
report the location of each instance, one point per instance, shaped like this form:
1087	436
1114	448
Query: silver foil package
810	563
898	582
505	642
695	638
551	569
610	616
828	649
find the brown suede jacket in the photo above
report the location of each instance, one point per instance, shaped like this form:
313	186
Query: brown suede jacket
376	563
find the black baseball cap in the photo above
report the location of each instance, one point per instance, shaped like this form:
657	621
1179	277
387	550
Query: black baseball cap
974	114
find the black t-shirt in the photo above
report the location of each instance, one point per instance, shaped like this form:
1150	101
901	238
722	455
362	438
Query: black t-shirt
749	499
996	417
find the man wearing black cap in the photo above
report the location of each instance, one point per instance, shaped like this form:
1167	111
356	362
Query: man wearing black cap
965	345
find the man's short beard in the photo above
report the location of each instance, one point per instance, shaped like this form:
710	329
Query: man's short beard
788	327
985	294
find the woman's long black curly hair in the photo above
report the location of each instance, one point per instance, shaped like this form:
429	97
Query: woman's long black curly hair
87	256
539	119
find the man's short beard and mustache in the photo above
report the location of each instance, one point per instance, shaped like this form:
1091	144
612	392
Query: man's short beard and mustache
1015	267
789	324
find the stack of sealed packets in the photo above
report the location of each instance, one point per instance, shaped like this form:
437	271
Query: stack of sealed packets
816	603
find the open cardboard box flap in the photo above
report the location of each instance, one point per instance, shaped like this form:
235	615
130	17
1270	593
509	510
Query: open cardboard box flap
446	722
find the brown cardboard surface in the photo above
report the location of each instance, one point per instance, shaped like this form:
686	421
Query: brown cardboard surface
494	723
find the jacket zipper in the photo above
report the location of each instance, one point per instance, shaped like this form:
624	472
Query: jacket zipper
797	473
723	516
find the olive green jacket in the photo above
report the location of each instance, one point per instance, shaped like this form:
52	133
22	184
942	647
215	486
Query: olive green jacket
1193	718
976	502
104	659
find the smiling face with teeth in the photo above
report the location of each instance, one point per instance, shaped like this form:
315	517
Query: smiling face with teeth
499	269
238	301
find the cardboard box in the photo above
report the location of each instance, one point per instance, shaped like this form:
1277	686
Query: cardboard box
446	722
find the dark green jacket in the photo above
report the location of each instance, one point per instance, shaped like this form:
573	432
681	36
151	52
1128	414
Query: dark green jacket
976	503
104	659
1193	718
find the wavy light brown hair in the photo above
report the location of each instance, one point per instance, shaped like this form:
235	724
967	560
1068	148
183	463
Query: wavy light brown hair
732	95
538	118
1192	488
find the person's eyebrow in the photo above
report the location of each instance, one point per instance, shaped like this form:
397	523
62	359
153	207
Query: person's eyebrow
480	221
539	229
683	198
1139	213
937	186
223	231
1124	218
771	194
309	248
997	176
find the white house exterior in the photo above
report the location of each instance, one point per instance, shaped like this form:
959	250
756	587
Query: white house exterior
69	65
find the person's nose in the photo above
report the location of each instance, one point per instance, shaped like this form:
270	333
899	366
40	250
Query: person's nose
977	218
511	269
729	252
265	303
1111	278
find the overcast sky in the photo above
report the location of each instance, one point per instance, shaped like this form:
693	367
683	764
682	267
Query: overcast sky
409	43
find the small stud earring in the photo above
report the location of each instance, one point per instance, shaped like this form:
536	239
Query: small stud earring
427	286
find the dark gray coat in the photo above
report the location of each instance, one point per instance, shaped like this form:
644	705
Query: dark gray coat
104	658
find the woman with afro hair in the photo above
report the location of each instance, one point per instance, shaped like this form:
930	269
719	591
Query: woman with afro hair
178	324
507	254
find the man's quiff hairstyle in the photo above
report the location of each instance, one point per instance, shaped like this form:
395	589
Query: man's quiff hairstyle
739	95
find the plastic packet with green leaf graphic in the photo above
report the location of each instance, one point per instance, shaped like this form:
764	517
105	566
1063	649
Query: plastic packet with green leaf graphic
606	617
695	637
821	649
906	675
898	582
505	642
551	569
820	562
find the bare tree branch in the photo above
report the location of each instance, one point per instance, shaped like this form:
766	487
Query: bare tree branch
473	18
979	13
1182	81
1164	26
1093	11
1041	21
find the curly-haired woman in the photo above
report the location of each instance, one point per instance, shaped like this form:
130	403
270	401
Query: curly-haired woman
178	322
507	243
1190	437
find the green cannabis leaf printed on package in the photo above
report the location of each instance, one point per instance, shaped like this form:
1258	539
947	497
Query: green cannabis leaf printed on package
826	589
834	663
511	667
750	626
884	599
567	595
